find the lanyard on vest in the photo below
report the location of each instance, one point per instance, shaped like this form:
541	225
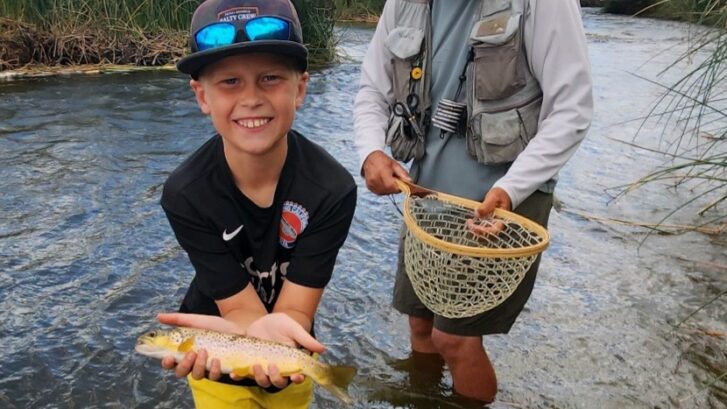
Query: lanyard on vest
451	115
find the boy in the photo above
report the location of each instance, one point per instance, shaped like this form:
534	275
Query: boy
260	210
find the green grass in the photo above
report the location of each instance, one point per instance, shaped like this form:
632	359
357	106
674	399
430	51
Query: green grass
114	14
126	31
358	9
317	19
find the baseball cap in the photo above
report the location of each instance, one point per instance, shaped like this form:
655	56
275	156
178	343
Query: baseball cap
221	28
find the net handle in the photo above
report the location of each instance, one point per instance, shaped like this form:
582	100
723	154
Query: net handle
410	189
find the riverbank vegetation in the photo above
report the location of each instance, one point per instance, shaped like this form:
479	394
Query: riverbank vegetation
137	32
67	32
706	12
693	114
358	10
52	33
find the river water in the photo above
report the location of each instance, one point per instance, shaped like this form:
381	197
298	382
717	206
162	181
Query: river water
87	258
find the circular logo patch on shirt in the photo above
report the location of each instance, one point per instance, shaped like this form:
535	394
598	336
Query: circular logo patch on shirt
292	223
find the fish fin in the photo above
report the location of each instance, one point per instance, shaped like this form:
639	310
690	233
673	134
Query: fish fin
242	371
186	345
340	377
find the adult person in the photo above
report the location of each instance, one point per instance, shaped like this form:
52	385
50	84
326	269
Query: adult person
260	210
520	67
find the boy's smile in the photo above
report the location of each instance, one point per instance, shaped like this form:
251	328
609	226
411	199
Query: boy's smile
251	99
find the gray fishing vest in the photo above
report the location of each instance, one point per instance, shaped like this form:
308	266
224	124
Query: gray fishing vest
503	98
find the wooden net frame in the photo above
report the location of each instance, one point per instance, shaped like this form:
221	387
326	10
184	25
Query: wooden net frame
455	272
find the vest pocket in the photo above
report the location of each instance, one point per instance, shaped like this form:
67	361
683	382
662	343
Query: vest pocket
499	137
405	43
499	62
404	144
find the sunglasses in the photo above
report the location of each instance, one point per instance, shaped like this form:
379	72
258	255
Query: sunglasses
259	28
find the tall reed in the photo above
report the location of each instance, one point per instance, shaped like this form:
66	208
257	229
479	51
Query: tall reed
695	109
693	112
113	14
317	19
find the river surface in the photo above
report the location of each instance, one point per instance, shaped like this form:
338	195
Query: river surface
87	258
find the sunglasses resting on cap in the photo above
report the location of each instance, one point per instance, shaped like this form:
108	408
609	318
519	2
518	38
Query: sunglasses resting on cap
222	28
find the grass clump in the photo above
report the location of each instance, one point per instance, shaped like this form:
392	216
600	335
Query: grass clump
693	110
355	10
317	20
136	32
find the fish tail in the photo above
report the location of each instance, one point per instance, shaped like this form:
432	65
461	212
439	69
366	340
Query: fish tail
336	380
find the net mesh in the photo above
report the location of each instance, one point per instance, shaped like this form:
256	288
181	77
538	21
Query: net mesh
457	285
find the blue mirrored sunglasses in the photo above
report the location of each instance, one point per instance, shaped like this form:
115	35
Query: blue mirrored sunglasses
259	28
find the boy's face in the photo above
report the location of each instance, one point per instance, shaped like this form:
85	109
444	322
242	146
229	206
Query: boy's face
252	99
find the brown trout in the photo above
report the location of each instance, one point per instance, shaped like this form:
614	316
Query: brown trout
237	354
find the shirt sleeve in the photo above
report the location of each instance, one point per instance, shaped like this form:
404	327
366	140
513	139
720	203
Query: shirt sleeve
371	105
556	46
315	252
218	274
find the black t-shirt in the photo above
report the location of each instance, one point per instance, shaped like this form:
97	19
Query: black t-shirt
232	242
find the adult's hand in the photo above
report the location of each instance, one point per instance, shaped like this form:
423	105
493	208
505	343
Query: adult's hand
196	363
381	171
496	198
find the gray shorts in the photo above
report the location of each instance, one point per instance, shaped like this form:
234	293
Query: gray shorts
498	320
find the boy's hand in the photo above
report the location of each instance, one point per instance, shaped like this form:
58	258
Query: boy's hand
281	328
196	363
380	172
201	321
277	327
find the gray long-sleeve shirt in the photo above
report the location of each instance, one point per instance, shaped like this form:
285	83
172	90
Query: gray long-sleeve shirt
556	50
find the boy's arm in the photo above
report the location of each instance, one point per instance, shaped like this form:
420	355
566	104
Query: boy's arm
244	314
299	302
245	310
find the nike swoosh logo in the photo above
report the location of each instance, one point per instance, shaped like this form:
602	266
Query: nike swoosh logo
229	236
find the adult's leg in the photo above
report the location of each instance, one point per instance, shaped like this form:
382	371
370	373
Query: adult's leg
471	369
459	341
406	301
421	335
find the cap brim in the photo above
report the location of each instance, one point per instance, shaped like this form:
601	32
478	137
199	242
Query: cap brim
193	63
